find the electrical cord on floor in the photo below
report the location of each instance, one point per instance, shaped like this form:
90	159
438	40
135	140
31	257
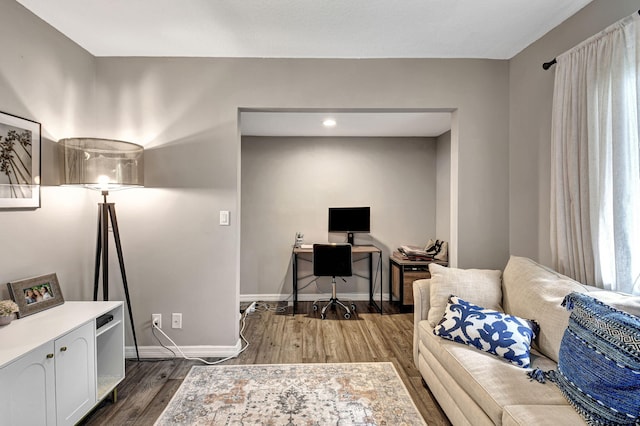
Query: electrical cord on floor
266	307
244	317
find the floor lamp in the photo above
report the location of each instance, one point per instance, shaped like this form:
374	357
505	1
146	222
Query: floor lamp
104	164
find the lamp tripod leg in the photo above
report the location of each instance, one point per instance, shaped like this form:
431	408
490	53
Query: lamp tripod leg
102	253
105	251
116	235
96	276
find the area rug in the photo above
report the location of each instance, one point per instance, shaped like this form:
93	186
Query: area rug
292	394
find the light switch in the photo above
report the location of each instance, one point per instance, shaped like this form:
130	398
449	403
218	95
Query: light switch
224	217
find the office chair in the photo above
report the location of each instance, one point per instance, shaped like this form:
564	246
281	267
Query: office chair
332	260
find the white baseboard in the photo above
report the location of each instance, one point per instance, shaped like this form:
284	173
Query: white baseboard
309	297
203	351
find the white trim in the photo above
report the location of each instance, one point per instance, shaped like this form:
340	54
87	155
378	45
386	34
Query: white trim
198	351
454	189
310	297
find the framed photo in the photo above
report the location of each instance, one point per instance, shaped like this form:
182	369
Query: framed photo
20	145
36	294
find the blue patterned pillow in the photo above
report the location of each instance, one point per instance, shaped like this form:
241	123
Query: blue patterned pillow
491	331
599	366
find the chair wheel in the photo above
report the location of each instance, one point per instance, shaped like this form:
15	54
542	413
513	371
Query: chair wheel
322	316
347	315
315	307
353	307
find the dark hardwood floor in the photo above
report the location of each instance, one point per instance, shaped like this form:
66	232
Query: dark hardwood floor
280	338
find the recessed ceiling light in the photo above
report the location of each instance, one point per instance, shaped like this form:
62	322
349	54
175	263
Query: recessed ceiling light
329	122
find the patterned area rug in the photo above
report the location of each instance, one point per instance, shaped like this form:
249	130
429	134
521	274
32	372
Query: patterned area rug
292	394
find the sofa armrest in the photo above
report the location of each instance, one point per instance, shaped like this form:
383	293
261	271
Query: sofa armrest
421	305
421	299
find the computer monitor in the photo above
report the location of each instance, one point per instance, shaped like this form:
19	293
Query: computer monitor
350	220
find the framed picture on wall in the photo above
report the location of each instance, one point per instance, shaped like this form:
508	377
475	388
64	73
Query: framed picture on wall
20	145
36	294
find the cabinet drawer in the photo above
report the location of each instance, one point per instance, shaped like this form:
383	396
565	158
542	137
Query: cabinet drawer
409	278
395	281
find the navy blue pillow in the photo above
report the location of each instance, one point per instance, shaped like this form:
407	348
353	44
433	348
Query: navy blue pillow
491	331
599	366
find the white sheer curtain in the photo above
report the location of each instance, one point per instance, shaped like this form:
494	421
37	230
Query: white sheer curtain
595	180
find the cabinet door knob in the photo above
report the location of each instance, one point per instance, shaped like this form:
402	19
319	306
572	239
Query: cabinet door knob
49	356
63	349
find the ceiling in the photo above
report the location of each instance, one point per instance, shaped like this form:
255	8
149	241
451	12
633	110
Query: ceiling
492	29
489	29
348	123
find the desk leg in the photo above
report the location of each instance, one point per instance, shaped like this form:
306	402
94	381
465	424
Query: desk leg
391	268
294	259
371	283
380	272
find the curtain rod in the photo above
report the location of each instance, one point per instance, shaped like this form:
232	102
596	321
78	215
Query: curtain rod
552	62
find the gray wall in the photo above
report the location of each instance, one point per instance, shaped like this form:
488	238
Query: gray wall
288	184
530	99
47	78
186	112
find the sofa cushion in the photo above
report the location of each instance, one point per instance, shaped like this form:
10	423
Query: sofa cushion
533	291
491	382
479	286
540	415
622	301
599	368
498	333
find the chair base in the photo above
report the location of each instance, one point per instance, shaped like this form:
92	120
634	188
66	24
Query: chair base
334	302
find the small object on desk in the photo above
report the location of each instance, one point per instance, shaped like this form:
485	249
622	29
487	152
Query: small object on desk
434	250
438	249
413	253
103	319
306	246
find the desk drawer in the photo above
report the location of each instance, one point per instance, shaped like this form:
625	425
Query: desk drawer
409	278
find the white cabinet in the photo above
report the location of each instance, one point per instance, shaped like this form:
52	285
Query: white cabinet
27	389
74	355
55	366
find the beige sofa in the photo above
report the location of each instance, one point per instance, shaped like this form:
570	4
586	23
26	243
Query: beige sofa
477	388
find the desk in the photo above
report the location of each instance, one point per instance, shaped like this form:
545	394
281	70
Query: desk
367	251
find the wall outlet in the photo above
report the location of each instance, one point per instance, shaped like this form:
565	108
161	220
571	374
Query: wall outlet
157	320
176	320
